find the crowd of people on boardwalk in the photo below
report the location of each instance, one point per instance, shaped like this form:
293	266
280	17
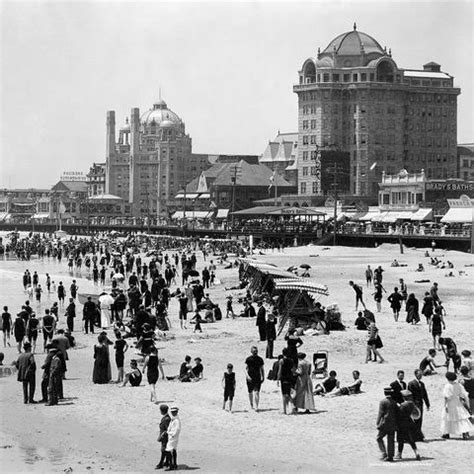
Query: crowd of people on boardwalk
135	308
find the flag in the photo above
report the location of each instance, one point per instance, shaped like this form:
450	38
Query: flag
272	181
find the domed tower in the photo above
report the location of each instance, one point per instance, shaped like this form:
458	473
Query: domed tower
150	161
353	97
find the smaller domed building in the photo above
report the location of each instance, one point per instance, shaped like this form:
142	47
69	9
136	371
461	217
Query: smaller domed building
150	160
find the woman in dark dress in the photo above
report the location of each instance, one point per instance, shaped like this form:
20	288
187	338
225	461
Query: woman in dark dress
412	307
101	373
428	304
19	331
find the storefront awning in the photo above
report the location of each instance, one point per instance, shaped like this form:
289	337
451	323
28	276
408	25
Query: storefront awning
377	217
424	214
459	215
190	215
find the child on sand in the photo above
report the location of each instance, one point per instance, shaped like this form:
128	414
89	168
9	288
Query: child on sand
428	365
197	320
228	383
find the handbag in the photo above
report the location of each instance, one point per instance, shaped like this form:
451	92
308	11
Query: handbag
378	342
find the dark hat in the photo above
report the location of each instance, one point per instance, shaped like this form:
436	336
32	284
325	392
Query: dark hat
388	391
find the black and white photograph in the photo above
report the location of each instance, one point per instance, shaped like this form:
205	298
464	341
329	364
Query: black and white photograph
236	236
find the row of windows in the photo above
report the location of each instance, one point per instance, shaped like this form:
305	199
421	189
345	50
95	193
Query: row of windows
314	187
436	98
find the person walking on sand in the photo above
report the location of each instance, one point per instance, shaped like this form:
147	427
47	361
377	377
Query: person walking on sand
455	414
255	377
163	436
261	321
436	327
378	295
174	430
420	397
120	347
373	340
228	383
26	366
19	331
369	274
406	428
6	326
152	365
270	330
358	294
387	425
304	399
286	379
395	300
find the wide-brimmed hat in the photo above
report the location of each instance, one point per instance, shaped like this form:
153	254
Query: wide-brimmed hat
175	408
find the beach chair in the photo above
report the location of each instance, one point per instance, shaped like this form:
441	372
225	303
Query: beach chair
320	362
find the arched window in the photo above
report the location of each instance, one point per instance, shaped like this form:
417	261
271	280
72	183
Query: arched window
385	72
309	72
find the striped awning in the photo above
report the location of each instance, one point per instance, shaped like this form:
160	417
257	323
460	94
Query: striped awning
302	285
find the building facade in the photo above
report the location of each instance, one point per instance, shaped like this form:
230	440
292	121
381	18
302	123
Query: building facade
281	156
96	179
150	160
466	161
353	97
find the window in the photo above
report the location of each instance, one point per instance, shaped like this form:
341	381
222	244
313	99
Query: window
305	124
313	139
313	124
347	77
313	170
303	188
315	187
305	156
363	77
335	78
305	139
305	171
314	154
354	78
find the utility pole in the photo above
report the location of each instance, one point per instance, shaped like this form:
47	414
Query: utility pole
233	181
335	205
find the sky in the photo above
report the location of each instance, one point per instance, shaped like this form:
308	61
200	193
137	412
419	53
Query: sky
227	69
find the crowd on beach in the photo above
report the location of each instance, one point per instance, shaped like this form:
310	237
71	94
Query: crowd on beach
137	277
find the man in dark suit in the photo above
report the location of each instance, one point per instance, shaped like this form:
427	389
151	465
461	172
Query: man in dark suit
261	321
387	425
397	386
420	395
89	314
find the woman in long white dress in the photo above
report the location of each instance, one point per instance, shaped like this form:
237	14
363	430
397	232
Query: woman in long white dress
455	417
304	386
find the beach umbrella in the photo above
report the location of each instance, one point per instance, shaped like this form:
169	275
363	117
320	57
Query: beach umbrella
118	276
305	266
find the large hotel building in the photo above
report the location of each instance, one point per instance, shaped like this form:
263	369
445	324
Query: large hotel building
354	98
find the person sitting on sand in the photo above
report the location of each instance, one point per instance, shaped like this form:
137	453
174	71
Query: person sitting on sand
185	368
361	322
195	374
134	376
327	385
420	268
428	365
351	389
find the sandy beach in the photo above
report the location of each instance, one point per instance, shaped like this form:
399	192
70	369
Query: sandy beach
112	429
